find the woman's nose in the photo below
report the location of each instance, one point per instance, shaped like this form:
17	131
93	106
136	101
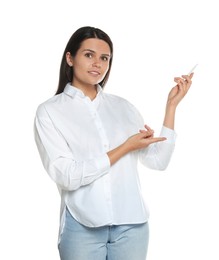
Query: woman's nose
96	64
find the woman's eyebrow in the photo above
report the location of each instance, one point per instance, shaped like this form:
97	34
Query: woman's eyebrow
89	50
95	52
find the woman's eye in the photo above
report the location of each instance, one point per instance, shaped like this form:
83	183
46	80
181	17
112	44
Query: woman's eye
89	55
104	58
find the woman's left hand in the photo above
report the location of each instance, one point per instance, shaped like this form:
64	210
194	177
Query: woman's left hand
178	92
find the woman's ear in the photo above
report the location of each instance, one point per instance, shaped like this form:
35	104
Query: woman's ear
69	59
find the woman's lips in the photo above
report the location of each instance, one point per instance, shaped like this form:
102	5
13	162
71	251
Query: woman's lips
93	72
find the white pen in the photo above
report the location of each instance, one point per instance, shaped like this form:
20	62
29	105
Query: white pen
192	70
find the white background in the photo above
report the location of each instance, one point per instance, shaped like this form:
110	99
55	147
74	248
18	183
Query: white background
154	41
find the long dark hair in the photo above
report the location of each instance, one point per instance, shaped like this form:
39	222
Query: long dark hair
66	73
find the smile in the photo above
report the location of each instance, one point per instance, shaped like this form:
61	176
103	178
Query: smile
95	73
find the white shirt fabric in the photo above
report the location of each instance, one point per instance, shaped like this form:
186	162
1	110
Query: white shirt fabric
73	135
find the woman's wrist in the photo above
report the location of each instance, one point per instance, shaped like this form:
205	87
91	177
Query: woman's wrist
115	154
169	118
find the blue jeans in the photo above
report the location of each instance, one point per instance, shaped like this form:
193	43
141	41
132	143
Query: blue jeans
122	242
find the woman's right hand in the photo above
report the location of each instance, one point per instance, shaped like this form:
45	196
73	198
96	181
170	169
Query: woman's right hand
142	140
138	141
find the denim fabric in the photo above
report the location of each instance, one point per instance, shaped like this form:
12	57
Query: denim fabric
123	242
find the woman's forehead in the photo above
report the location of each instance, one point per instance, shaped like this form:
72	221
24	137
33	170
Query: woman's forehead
96	45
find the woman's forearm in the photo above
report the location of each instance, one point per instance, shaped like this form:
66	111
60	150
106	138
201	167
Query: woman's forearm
134	142
169	118
117	153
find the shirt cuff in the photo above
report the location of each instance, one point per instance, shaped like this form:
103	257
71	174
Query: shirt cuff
169	133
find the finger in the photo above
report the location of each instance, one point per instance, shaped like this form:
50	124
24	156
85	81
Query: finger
180	83
142	131
184	83
187	78
156	139
177	79
146	134
191	75
148	128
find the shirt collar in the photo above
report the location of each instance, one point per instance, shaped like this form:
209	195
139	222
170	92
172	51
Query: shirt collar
73	91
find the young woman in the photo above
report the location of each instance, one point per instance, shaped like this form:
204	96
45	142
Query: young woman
90	143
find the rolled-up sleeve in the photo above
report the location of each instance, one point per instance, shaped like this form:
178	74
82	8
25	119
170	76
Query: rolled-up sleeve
58	160
157	156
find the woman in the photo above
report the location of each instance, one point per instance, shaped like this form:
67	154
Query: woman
90	143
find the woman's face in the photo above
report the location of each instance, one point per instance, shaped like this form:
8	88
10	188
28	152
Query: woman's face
90	63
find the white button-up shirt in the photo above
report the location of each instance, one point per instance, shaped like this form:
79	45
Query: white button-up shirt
74	134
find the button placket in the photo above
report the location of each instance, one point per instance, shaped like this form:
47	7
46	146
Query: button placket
105	142
99	126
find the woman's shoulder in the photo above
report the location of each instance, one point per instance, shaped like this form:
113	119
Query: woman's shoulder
42	107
